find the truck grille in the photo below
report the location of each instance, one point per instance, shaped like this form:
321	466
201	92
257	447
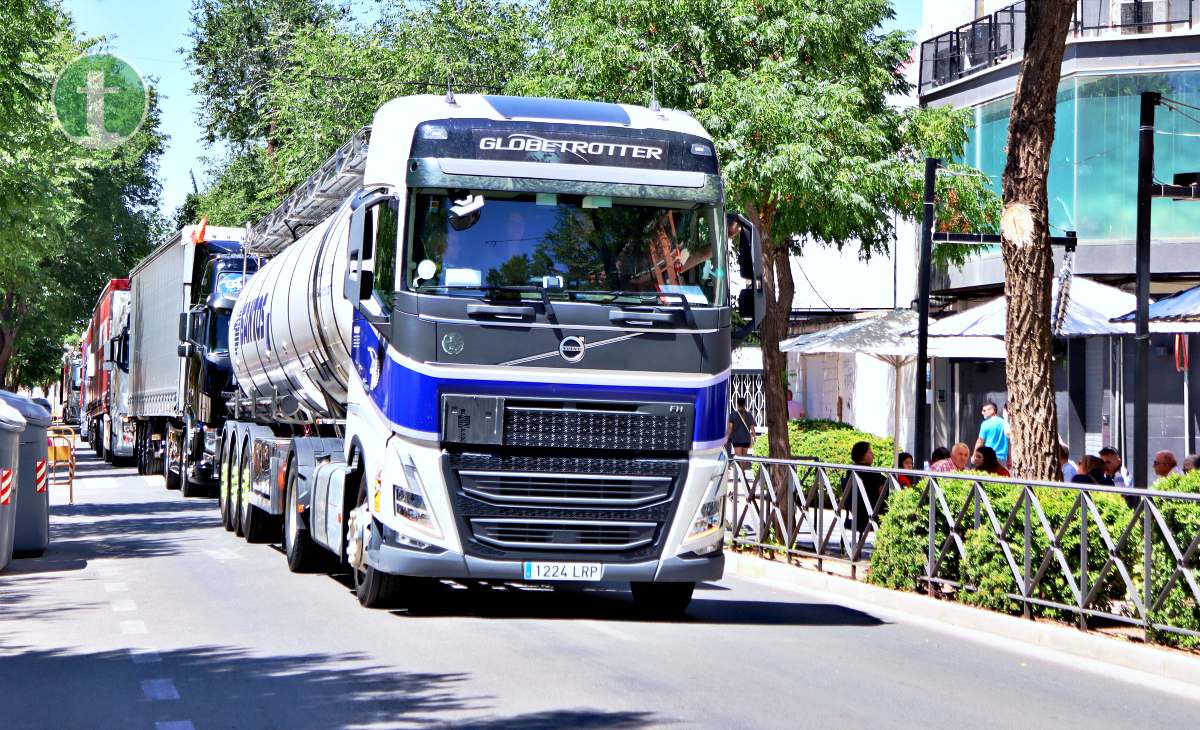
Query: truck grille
593	429
563	535
552	424
516	504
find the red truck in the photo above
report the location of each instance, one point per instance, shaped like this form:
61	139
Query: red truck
109	427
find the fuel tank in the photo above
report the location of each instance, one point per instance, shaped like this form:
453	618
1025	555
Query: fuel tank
290	329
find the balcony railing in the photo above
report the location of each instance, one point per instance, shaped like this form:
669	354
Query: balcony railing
999	37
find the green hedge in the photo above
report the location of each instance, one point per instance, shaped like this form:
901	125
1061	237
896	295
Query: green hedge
902	545
829	441
1183	518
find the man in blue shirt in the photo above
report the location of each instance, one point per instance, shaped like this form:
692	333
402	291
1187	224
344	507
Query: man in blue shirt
994	432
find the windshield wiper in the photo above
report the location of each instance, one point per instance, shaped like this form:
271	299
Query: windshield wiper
514	288
643	297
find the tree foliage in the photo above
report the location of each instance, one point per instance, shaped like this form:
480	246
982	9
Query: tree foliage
237	48
70	217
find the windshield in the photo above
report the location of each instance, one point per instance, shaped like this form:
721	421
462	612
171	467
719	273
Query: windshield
565	244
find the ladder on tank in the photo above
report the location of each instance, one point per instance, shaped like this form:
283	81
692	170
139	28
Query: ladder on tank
314	200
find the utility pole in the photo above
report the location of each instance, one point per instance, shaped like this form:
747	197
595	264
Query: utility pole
1141	384
921	440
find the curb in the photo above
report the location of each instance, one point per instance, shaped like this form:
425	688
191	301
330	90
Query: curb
1159	662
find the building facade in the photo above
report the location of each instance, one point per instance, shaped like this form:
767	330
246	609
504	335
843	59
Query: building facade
970	56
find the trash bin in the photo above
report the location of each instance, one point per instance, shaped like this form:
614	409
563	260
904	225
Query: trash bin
32	534
11	426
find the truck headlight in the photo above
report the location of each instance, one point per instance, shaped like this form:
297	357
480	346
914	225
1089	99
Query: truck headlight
411	504
709	516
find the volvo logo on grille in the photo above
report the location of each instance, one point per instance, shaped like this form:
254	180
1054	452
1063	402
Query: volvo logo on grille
572	348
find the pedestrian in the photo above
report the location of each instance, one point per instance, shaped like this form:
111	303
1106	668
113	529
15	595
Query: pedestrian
1191	462
1164	464
795	410
1114	468
993	432
985	460
740	434
1064	463
872	485
1091	471
957	461
904	460
938	454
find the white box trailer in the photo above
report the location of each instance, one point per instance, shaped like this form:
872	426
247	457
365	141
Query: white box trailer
163	287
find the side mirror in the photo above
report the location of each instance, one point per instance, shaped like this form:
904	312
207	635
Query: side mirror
360	281
752	300
183	326
184	349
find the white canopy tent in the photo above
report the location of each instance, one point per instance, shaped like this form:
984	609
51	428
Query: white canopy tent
887	338
1089	307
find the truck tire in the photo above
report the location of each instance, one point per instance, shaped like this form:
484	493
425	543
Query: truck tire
187	487
225	486
242	465
373	588
662	600
303	555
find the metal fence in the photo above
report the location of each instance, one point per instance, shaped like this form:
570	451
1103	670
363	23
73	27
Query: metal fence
1000	36
1108	553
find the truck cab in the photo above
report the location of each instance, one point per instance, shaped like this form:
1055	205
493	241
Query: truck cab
204	347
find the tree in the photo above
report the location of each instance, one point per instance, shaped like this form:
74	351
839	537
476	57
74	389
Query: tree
237	48
70	217
1025	231
334	80
795	94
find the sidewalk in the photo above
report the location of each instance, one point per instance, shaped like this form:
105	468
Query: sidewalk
1160	662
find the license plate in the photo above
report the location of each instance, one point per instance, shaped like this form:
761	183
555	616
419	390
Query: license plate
563	571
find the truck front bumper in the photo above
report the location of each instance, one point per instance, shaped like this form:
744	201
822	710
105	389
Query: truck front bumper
438	563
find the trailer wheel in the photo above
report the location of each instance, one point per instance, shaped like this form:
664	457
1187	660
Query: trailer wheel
662	600
239	489
373	588
225	488
303	555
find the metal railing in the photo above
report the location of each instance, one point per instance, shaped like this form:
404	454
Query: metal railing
1098	552
995	38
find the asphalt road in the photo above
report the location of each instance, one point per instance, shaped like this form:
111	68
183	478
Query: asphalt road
147	614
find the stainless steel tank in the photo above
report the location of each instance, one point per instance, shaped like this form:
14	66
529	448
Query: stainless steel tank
290	330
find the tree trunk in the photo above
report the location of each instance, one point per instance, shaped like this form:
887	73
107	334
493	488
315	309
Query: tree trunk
1028	261
780	290
11	310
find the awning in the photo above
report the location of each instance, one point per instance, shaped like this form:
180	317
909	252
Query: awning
1090	308
889	338
1176	314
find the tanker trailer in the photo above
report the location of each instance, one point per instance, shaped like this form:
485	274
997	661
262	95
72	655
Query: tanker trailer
499	350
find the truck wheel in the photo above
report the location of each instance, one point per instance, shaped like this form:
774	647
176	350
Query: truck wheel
239	491
139	448
303	555
172	480
662	600
187	487
225	488
374	589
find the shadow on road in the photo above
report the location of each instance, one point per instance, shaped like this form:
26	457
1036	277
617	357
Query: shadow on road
229	687
431	599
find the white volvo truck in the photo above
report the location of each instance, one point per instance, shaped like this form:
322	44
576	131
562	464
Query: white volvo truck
492	342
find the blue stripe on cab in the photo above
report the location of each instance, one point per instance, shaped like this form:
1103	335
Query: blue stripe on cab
413	400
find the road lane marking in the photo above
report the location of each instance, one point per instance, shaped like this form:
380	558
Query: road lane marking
124	606
133	627
116	587
159	689
174	725
607	630
144	656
